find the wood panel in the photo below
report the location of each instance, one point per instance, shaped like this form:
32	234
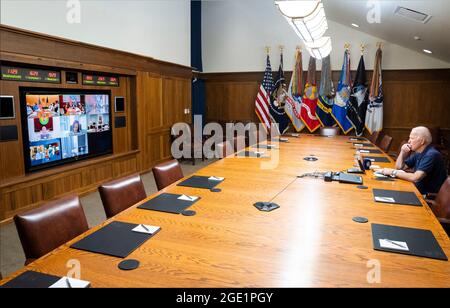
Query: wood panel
411	97
156	95
310	241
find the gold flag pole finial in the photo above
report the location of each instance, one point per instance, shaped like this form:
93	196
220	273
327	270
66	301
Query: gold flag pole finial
379	45
267	49
281	48
362	47
347	46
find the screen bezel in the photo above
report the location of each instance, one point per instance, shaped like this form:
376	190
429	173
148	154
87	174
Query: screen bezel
13	108
23	92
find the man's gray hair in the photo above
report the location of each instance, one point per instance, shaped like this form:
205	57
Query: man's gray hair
424	132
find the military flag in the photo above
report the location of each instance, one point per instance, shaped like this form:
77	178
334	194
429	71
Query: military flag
339	110
374	114
357	106
326	95
278	101
310	96
294	98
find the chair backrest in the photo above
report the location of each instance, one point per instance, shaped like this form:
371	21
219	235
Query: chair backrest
442	202
435	135
223	149
122	193
47	227
329	131
239	143
374	137
167	173
385	143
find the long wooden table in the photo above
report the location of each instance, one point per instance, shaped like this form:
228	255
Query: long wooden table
310	240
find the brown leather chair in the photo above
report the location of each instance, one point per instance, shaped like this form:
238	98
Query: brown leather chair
223	149
329	131
441	205
167	173
122	193
385	143
45	228
374	137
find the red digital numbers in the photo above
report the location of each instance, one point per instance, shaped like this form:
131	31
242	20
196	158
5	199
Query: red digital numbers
13	71
88	77
33	73
101	78
52	75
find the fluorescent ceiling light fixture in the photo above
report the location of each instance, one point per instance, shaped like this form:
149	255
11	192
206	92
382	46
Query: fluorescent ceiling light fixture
306	17
427	51
321	48
355	25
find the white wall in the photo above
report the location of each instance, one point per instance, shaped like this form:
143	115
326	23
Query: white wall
235	33
154	28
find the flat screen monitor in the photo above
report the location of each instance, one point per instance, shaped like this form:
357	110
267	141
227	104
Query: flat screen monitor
61	126
7	107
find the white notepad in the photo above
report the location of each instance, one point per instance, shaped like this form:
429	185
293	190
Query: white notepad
379	175
215	178
358	144
295	135
364	151
398	245
66	282
147	230
284	139
259	152
385	199
187	198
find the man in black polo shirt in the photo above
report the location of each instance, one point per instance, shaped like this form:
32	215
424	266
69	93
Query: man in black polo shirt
420	163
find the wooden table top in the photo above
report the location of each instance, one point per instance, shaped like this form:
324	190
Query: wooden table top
310	240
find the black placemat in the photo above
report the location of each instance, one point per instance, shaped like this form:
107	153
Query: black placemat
420	242
31	279
251	154
167	203
197	181
379	159
115	239
400	197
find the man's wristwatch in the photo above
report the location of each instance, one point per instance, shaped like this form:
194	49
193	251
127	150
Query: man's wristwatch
394	173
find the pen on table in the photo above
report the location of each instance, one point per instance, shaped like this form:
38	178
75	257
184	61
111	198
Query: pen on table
145	228
68	283
394	243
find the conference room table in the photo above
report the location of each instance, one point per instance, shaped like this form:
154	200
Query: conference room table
310	241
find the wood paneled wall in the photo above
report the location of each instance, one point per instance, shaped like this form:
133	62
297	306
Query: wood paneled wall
156	95
411	98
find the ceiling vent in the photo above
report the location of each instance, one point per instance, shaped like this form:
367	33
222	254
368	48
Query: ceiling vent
412	15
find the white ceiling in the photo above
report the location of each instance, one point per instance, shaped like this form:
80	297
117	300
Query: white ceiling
435	34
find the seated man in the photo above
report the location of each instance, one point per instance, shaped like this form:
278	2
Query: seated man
420	163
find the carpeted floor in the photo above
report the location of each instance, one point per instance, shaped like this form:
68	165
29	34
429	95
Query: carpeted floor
12	257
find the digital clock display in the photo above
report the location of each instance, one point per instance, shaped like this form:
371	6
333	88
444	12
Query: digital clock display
29	74
97	80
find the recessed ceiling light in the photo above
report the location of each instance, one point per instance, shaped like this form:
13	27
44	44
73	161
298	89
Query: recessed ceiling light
417	38
355	25
427	51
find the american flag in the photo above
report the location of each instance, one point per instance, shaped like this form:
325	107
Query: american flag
262	101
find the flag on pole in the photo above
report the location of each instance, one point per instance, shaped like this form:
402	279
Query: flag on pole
262	101
294	98
309	104
278	101
339	111
326	95
357	106
374	114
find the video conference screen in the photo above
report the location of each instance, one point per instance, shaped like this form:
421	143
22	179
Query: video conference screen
62	126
